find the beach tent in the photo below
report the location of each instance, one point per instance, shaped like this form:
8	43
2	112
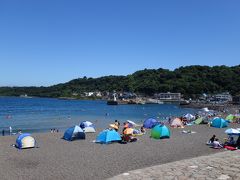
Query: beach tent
177	123
108	136
24	141
88	127
232	131
150	123
73	133
89	130
160	132
189	116
230	117
85	124
199	121
219	123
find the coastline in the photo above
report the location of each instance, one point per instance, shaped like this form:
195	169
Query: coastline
222	108
58	159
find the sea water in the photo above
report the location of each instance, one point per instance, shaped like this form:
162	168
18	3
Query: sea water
43	114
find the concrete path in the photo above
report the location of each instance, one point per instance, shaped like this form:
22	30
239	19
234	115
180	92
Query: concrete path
222	166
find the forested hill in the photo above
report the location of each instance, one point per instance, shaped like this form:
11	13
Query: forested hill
189	80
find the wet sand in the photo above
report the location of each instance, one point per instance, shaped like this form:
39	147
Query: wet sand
56	158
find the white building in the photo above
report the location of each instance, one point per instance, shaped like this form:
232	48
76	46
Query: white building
98	94
168	96
88	94
223	97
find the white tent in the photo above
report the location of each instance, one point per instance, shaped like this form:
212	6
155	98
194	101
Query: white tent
189	116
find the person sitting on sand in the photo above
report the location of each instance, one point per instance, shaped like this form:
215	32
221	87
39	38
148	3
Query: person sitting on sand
212	139
128	138
216	144
230	142
125	126
117	124
143	130
238	142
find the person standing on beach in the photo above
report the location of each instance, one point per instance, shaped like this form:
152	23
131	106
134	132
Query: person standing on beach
10	130
3	132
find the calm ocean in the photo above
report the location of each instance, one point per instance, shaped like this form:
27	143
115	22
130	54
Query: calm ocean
42	114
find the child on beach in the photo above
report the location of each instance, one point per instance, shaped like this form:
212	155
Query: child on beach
216	144
212	139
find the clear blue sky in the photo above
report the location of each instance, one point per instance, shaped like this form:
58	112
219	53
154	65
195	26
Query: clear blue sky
51	41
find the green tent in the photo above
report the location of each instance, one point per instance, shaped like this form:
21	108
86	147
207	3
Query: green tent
230	117
199	120
160	132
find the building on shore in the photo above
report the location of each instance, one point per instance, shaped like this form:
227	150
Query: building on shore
168	96
224	97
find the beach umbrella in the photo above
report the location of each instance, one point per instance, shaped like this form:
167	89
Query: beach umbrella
128	131
132	123
232	131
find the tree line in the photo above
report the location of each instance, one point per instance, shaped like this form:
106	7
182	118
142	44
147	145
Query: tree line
189	80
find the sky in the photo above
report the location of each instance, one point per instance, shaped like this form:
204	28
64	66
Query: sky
49	42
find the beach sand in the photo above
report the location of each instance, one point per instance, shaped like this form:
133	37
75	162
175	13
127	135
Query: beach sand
56	158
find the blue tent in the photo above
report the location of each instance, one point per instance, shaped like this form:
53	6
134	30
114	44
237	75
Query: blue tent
73	133
108	136
160	132
219	123
150	123
25	141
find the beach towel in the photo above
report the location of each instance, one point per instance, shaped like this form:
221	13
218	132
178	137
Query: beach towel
230	148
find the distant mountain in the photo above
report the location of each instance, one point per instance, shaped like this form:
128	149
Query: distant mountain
189	80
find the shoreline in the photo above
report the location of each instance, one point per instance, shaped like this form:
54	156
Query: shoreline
223	108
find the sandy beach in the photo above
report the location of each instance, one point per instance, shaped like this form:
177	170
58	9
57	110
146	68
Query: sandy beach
56	158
